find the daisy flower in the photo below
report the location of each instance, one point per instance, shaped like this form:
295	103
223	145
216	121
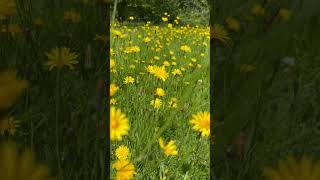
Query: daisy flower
160	92
128	80
201	123
10	88
160	72
59	57
156	103
17	165
170	149
218	32
125	169
119	124
293	169
122	152
113	89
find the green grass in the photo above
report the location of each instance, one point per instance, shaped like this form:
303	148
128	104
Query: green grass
146	123
274	108
81	124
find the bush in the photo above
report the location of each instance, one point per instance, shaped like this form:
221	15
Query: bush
191	11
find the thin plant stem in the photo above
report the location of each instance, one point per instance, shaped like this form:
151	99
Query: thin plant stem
58	98
114	10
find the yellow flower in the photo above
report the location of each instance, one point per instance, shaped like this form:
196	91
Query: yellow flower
156	103
131	49
72	16
131	18
10	88
233	24
146	39
129	80
117	33
8	125
113	89
285	14
185	48
164	19
7	8
170	25
113	101
125	169
201	123
122	152
160	92
258	10
159	72
173	102
293	169
166	63
150	69
119	124
16	165
218	32
59	57
170	149
112	63
163	178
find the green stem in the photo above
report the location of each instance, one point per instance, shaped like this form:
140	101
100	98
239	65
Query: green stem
114	10
58	98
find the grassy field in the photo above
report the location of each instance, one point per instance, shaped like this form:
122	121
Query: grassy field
266	66
59	115
175	58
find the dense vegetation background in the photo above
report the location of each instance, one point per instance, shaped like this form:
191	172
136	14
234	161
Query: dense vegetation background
191	11
272	110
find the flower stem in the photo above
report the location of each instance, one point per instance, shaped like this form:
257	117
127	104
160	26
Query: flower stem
58	98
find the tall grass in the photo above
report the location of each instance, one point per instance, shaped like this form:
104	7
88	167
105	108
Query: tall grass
61	113
148	124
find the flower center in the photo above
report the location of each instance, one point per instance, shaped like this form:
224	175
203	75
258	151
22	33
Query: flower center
114	124
204	123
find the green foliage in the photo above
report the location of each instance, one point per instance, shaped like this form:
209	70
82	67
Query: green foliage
275	106
147	124
192	11
81	145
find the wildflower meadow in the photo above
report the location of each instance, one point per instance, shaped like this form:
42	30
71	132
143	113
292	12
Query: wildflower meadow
160	99
265	58
159	89
52	75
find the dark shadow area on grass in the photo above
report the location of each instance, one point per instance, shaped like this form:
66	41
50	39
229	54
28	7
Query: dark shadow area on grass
53	89
264	88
